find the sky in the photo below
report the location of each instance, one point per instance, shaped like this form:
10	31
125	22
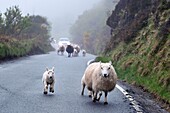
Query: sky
60	13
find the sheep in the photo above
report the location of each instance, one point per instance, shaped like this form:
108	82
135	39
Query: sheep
48	79
99	77
69	50
75	53
84	52
61	49
77	47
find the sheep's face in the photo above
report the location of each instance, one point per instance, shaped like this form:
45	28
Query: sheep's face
105	69
50	73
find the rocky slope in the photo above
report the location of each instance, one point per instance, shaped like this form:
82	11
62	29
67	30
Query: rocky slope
140	44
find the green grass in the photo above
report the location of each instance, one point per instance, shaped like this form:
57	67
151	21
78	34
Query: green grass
17	48
150	82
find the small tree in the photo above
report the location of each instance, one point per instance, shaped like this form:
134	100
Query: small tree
14	22
1	24
13	17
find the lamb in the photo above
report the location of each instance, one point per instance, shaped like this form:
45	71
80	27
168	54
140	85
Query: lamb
48	80
99	77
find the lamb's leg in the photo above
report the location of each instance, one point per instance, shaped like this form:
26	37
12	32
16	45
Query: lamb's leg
105	99
100	94
52	88
83	86
45	88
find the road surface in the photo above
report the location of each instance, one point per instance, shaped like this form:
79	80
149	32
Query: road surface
21	88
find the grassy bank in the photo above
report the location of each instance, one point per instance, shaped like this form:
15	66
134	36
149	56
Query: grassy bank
156	83
13	48
145	62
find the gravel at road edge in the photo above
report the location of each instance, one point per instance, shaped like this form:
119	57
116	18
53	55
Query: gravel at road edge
146	100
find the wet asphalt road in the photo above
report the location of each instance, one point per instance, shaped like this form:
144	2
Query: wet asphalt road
21	88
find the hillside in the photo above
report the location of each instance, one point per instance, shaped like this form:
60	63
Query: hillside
140	44
90	29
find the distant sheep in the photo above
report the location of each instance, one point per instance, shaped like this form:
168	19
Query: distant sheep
77	47
84	52
61	49
70	50
99	77
48	80
75	53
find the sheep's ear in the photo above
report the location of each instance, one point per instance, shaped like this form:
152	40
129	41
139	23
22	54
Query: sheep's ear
53	68
100	64
46	68
110	62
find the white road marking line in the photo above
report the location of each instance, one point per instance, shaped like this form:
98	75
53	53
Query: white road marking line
132	101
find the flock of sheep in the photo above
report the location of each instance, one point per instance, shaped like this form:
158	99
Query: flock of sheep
71	49
98	77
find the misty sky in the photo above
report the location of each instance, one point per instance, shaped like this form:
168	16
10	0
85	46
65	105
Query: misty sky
60	13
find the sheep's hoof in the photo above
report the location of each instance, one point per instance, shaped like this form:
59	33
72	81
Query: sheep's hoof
51	90
98	99
45	92
105	103
94	100
90	96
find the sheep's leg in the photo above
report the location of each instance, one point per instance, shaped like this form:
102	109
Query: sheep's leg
105	99
94	97
69	54
90	93
100	94
45	88
52	88
83	86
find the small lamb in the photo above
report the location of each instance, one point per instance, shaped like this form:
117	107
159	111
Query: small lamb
48	80
99	77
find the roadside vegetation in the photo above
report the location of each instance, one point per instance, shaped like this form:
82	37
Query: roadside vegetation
22	35
138	43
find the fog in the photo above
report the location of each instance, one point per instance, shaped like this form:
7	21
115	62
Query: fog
60	13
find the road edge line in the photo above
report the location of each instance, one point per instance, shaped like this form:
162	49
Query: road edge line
130	98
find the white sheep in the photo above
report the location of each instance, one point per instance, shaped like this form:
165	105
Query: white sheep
48	79
75	53
99	77
84	52
61	49
77	47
